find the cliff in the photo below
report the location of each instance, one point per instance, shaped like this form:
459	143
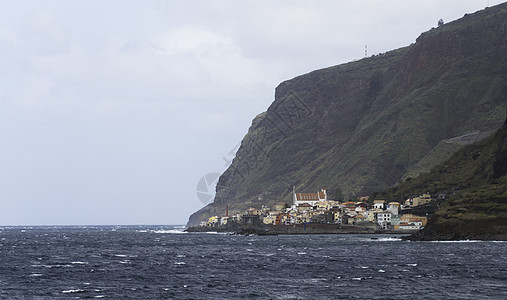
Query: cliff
363	126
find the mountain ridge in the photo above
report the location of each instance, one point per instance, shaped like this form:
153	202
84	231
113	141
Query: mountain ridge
363	126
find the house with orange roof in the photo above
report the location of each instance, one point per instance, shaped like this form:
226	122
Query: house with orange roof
410	218
351	205
253	212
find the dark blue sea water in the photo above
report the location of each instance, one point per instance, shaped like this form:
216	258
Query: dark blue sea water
160	262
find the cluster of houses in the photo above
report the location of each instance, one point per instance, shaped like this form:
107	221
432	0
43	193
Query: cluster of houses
316	208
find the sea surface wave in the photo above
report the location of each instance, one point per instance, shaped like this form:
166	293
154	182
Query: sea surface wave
160	262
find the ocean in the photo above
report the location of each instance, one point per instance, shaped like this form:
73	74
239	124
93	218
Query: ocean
163	262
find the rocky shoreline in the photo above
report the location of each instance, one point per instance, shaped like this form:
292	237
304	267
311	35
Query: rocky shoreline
456	236
411	235
297	229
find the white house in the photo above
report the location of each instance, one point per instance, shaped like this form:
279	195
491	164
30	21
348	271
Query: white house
393	207
379	204
384	219
410	226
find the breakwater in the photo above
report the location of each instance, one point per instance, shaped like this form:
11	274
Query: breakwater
312	228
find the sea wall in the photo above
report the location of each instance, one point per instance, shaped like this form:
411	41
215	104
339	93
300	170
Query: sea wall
300	229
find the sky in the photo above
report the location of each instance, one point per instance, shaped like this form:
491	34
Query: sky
112	112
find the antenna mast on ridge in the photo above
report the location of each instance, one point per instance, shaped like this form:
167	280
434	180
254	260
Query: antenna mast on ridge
365	50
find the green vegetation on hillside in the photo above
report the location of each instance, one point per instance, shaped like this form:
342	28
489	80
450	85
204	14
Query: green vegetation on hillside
479	209
470	166
475	213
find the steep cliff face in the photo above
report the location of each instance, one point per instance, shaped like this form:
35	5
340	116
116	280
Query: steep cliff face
360	127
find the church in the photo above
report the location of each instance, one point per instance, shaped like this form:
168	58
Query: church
309	198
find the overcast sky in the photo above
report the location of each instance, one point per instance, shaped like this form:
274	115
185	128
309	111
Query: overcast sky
112	111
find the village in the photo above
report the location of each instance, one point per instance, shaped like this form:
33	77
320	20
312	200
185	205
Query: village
316	208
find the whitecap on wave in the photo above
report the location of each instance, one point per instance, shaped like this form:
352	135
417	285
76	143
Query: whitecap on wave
168	231
389	239
73	291
462	241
